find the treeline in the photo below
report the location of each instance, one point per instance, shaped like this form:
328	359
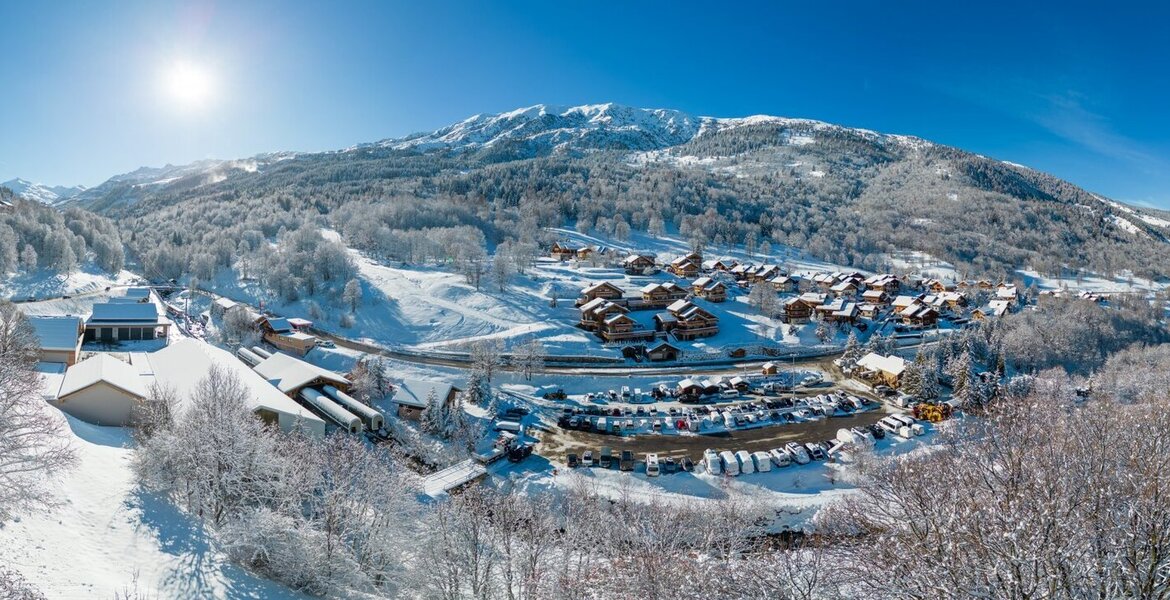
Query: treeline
35	236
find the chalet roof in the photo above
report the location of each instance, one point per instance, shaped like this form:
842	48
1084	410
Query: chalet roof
225	303
665	317
904	301
102	368
892	365
873	294
848	310
678	305
57	333
617	317
600	286
636	258
414	392
662	346
290	374
702	282
593	304
124	313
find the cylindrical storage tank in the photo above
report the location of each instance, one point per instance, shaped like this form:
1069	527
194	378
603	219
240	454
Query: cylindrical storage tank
370	416
248	357
331	409
261	352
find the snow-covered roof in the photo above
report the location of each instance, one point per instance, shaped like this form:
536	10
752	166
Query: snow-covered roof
225	303
138	293
57	333
678	305
184	363
102	368
414	392
124	313
894	365
289	374
592	304
279	325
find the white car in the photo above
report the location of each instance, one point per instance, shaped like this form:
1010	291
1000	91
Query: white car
798	453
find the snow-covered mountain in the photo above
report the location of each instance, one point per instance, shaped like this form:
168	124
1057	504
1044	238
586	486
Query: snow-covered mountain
40	192
542	129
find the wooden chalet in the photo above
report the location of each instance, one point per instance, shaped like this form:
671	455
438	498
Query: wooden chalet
596	311
875	296
795	311
620	327
605	290
783	283
721	264
662	352
709	289
638	264
692	321
919	314
687	265
563	251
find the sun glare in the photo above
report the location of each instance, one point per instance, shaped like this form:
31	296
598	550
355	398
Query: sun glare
188	85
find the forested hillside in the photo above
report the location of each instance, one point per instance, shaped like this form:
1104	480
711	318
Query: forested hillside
34	236
846	195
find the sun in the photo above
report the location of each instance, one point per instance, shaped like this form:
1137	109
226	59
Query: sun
188	85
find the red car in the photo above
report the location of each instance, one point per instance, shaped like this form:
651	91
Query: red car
681	424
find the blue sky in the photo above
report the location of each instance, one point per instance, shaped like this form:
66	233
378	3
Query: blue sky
1075	89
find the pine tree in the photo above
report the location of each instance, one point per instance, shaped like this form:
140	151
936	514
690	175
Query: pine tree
852	353
433	418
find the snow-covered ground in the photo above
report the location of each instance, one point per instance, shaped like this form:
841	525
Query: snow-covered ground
107	531
44	284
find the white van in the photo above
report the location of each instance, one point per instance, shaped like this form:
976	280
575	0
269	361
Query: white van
652	468
918	429
711	461
728	419
746	465
763	461
903	419
780	458
798	453
730	465
731	393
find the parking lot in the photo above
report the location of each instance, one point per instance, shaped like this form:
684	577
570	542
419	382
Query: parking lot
557	442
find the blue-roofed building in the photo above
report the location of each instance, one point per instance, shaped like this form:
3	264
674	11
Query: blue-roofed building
125	321
60	338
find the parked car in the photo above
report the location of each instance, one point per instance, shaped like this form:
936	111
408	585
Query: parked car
652	466
779	457
627	461
587	458
746	464
670	465
687	464
572	460
606	457
877	432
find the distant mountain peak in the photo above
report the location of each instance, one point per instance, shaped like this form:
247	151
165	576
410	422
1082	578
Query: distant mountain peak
39	192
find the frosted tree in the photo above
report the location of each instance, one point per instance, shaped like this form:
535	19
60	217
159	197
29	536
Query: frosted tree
656	227
822	332
352	294
33	446
502	269
28	258
530	358
218	458
486	358
434	417
963	386
852	353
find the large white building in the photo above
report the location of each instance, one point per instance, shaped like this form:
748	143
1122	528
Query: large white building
106	390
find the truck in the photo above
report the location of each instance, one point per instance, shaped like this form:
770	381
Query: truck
626	463
606	457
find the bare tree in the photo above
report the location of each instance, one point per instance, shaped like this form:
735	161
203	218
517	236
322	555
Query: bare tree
32	444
